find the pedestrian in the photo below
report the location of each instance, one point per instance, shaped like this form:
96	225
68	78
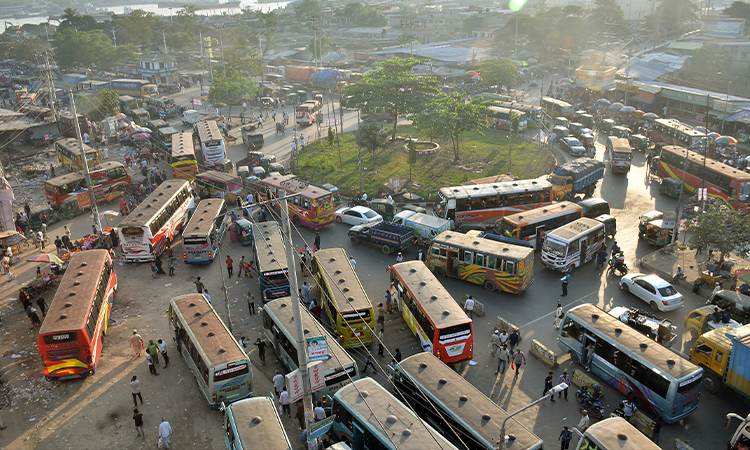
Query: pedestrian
230	263
381	347
42	305
164	432
284	400
584	422
163	350
58	245
320	413
369	363
353	262
199	285
138	419
306	292
513	339
316	242
628	409
381	314
151	366
601	258
518	358
278	382
251	304
503	358
591	350
419	255
243	344
657	430
207	296
565	279
564	438
153	350
40	239
170	265
399	258
106	153
261	350
300	415
503	337
241	265
548	387
388	302
135	385
136	343
494	342
398	355
31	312
564	378
66	231
469	307
558	316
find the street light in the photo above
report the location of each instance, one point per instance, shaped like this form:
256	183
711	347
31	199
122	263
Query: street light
555	390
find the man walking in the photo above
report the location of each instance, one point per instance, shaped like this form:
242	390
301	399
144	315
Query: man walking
316	242
261	350
469	307
199	285
136	343
251	304
138	418
135	385
306	293
584	422
381	347
284	400
565	436
163	350
369	363
548	387
518	358
601	258
164	432
230	263
565	279
278	382
503	358
513	339
558	316
564	378
42	305
494	342
353	262
153	350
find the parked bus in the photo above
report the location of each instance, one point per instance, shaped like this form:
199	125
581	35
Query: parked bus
614	433
485	203
184	163
722	181
211	142
655	378
204	231
369	417
435	318
254	424
110	180
533	224
533	113
69	154
674	132
312	208
500	118
339	369
572	245
307	113
553	108
219	185
343	298
72	336
455	408
270	260
219	365
495	265
146	231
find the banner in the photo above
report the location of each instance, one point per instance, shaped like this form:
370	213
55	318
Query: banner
294	386
317	348
317	377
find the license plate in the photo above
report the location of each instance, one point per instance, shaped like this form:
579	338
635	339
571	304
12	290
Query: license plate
197	257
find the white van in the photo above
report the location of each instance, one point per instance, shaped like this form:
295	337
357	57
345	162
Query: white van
424	225
191	117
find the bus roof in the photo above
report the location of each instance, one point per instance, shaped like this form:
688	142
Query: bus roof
437	302
145	212
517	105
219	176
503	110
203	217
490	189
545	212
486	246
574	229
282	309
208	330
388	418
258	424
75	176
77	283
555	101
269	247
208	131
712	164
182	144
72	145
468	403
296	185
346	287
679	126
662	358
617	433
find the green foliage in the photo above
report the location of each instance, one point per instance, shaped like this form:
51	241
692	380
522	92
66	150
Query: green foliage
186	21
449	116
307	10
74	20
229	88
739	10
670	16
179	41
98	106
514	123
320	46
139	28
724	228
499	72
471	23
406	38
707	61
370	137
330	135
245	62
412	147
607	14
370	17
84	49
269	23
23	50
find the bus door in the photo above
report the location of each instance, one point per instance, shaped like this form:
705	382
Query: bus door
358	436
538	238
452	263
584	245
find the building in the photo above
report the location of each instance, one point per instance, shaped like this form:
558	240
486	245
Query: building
158	67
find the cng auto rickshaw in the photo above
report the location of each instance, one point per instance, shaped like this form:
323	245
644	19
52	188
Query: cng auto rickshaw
656	234
620	131
646	218
266	102
223	165
605	126
243	229
671	187
575	128
251	139
384	207
587	120
639	142
610	225
46	215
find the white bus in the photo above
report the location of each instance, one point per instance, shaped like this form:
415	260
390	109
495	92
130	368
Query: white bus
280	330
572	245
614	433
145	232
220	366
212	143
254	424
204	231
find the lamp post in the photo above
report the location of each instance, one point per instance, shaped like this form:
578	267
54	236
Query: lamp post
503	438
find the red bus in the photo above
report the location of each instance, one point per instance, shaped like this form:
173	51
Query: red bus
312	208
110	180
72	335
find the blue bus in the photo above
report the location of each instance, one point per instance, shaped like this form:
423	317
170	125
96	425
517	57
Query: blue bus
254	423
204	231
270	260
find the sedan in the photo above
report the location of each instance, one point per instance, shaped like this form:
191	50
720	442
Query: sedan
357	215
572	146
655	291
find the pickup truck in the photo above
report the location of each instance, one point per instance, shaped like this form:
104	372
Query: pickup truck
389	236
723	355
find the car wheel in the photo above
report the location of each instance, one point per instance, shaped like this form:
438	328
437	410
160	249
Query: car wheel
654	306
339	219
387	249
353	239
624	287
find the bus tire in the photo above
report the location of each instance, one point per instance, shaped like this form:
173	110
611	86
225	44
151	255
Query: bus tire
711	384
574	356
387	249
353	240
440	272
296	221
490	286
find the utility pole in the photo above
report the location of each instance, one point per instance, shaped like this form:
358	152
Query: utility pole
52	93
359	156
85	164
164	39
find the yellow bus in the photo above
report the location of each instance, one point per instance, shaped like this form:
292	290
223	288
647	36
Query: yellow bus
69	154
219	184
343	298
184	164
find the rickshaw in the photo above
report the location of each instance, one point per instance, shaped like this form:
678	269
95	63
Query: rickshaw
639	142
280	128
560	132
646	218
605	126
656	234
587	120
562	121
671	187
266	102
620	131
46	215
610	225
244	231
384	207
335	194
15	241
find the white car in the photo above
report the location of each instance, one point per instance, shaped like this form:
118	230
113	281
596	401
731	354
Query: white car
659	294
357	215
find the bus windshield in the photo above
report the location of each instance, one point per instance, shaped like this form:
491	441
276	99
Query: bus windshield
744	192
556	248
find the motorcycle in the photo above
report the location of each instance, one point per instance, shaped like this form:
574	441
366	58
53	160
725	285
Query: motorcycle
358	202
589	397
618	266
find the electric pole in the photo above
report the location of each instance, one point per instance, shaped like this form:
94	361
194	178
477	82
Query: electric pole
85	164
114	35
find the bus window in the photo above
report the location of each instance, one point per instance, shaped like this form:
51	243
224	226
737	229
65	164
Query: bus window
572	329
510	267
480	260
468	257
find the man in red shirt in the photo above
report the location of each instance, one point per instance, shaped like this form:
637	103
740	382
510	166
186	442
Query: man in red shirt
230	261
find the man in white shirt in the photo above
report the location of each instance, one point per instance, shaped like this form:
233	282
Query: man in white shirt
584	423
278	382
284	400
320	413
164	432
85	138
353	262
469	307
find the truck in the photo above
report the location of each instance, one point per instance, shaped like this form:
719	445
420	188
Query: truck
387	235
574	177
620	154
425	226
723	354
329	79
299	73
741	437
134	88
707	318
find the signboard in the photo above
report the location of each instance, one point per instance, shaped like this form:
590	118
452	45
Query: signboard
317	348
294	386
84	200
685	96
669	219
318	429
317	377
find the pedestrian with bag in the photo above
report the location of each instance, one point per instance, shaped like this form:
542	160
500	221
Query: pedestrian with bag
165	431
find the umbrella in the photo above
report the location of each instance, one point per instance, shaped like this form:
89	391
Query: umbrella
532	60
140	136
650	116
626	109
603	101
121	116
616	105
726	140
639	112
47	258
713	135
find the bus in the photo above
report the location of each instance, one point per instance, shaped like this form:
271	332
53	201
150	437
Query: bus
343	298
71	339
442	326
366	416
485	203
146	231
219	185
533	113
162	138
219	365
184	163
495	265
500	118
553	108
722	181
339	369
614	433
270	260
312	208
455	408
307	113
254	424
656	379
204	231
573	245
69	154
211	142
533	224
674	132
110	180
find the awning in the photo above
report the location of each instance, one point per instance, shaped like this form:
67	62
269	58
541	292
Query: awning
645	97
719	114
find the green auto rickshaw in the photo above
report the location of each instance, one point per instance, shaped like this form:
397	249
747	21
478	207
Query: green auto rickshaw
46	215
646	218
384	207
575	128
610	225
243	229
639	142
605	126
656	234
69	208
671	187
587	120
620	131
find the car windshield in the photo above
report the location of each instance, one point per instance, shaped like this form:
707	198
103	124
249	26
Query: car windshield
667	291
555	248
574	143
370	214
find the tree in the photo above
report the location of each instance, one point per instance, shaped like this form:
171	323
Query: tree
307	10
670	16
499	72
450	116
370	17
406	38
350	10
707	61
739	10
393	88
230	88
72	19
23	50
179	41
370	136
724	228
607	14
186	20
320	46
471	23
269	23
138	28
242	61
83	49
98	106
